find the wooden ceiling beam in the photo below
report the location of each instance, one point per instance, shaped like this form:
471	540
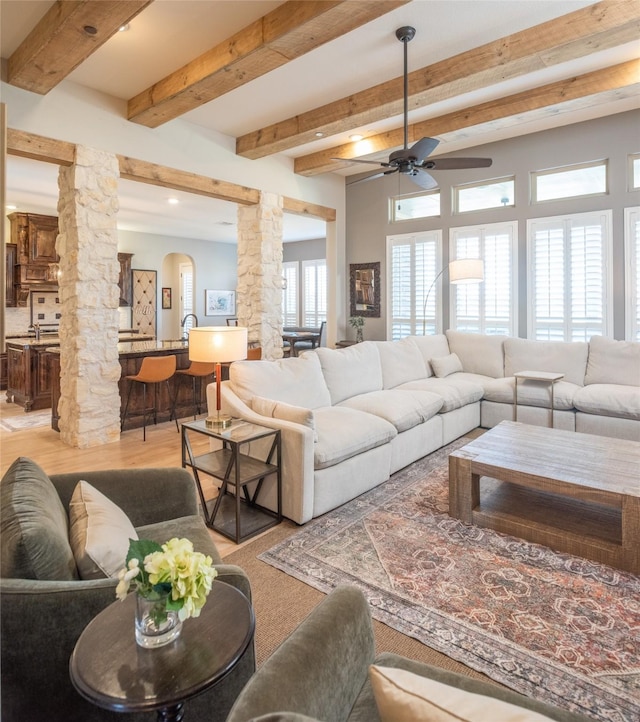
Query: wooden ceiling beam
180	180
312	210
291	30
607	24
59	42
38	147
515	107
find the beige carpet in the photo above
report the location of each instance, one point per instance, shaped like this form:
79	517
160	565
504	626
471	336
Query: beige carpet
282	602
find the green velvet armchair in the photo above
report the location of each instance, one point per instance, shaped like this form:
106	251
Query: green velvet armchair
42	620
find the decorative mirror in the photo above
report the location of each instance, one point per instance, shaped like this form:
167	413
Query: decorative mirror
365	289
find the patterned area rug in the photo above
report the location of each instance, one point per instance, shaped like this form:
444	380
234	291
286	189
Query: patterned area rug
551	626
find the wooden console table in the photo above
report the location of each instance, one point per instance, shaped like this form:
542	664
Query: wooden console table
576	493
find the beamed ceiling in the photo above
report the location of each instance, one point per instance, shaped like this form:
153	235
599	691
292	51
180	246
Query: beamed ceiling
298	78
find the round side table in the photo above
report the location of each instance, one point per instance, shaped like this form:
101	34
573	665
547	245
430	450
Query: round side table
112	671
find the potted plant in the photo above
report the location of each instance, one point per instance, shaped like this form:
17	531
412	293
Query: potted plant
357	322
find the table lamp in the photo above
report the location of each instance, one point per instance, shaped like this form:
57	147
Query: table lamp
218	344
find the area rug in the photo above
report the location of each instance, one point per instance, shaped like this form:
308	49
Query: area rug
549	625
32	420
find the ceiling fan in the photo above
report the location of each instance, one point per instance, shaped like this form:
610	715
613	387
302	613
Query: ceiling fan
413	162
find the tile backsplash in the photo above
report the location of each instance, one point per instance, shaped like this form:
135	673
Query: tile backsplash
45	309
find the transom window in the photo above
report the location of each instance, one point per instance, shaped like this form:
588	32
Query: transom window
487	194
416	205
586	179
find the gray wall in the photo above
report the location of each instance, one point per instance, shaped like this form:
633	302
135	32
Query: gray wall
304	250
613	137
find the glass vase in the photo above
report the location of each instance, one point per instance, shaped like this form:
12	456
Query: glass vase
359	336
155	624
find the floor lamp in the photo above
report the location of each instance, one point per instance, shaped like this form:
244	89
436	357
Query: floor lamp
218	345
463	270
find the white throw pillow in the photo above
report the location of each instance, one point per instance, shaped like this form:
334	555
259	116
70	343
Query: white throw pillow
286	412
446	365
99	533
402	696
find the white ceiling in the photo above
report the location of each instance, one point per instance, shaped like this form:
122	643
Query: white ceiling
170	33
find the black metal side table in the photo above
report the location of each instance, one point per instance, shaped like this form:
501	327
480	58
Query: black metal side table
236	513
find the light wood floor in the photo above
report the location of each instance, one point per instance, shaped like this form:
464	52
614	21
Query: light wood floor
43	445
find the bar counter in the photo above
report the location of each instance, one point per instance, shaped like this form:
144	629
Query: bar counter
131	354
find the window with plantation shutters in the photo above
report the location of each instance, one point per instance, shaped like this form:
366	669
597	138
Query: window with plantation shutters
489	307
632	272
290	315
569	284
314	294
413	261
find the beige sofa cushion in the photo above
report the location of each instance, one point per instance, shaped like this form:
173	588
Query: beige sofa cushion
401	362
431	347
297	381
343	433
609	400
403	409
351	371
402	696
613	362
479	353
455	392
525	355
279	410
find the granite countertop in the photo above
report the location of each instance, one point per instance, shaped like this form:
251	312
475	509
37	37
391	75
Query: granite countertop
126	348
54	340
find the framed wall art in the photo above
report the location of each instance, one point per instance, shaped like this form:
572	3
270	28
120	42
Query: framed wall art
219	303
144	301
166	298
365	289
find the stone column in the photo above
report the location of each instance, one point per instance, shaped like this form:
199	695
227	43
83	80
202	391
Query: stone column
259	301
88	248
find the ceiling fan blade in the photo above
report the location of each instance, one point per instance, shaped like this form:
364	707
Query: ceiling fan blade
423	148
423	179
371	177
357	160
457	163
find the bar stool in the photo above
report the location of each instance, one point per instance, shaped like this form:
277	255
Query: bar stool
196	371
153	370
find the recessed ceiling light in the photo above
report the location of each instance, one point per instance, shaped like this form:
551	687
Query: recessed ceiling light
123	28
173	201
10	207
355	137
319	134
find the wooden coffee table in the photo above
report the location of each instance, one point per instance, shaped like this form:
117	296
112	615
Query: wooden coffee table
576	493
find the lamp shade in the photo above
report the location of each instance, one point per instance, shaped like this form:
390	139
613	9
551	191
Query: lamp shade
218	344
466	270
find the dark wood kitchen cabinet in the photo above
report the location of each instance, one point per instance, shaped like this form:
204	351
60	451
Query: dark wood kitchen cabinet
11	259
28	375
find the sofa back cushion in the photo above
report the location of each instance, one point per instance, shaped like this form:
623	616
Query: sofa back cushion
568	358
613	362
401	362
297	381
351	371
479	353
431	347
34	529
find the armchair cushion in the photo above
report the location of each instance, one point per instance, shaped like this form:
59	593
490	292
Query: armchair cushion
402	696
34	530
99	534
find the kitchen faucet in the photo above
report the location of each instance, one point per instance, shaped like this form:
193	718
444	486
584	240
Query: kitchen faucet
184	320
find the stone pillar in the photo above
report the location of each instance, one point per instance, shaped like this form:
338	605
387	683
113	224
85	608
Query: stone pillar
259	301
88	248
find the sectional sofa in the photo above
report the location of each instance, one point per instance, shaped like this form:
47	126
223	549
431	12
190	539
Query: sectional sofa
351	417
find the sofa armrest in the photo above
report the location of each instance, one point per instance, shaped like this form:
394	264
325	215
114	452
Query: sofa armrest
320	669
297	453
146	496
